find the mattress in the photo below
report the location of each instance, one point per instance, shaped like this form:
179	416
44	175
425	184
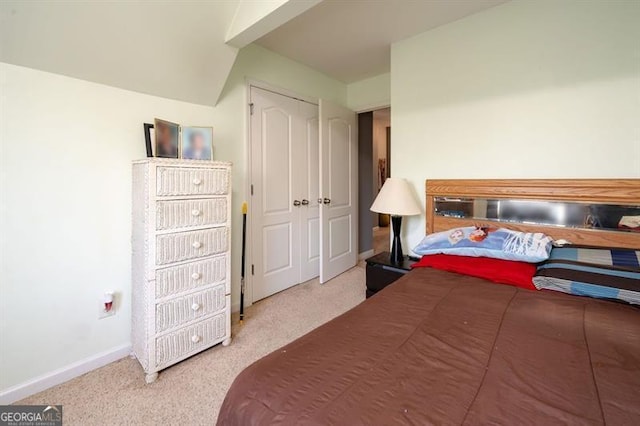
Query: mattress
446	349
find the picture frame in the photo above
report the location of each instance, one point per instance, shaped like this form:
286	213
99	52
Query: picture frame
167	135
196	143
149	136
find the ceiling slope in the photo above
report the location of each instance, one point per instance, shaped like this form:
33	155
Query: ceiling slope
177	49
170	49
255	18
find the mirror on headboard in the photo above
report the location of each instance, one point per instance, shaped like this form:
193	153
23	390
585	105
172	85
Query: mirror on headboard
611	217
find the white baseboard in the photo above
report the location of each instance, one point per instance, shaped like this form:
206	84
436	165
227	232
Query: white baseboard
61	375
365	254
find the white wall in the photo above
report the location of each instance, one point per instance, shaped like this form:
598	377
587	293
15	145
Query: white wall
369	94
544	89
67	147
66	152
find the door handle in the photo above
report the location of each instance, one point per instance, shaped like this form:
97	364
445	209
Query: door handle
296	203
305	202
326	201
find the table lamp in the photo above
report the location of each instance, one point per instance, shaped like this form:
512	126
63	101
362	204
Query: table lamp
396	199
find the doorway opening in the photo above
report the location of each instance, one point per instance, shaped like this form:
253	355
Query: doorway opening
374	162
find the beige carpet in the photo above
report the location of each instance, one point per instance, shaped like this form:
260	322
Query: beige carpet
192	391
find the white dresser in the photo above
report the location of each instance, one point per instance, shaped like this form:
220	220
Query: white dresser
181	260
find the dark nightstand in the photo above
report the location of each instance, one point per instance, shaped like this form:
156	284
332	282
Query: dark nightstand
381	272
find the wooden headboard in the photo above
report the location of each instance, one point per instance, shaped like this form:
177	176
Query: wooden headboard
607	191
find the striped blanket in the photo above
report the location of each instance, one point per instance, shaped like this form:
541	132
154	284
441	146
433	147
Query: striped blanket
601	273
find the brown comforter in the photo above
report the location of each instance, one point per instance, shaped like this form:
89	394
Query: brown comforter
445	349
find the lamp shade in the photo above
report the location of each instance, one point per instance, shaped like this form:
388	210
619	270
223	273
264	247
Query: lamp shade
395	198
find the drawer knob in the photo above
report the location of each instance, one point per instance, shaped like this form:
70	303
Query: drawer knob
195	212
196	245
195	306
195	338
197	181
196	276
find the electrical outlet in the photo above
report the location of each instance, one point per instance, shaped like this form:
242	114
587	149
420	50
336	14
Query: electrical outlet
107	305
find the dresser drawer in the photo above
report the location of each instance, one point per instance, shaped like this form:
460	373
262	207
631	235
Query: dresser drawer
171	181
181	310
190	339
181	246
178	279
190	213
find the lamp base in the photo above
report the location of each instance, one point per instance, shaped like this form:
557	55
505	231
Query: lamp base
397	256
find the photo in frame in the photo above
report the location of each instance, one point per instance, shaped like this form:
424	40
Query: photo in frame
149	137
196	143
166	137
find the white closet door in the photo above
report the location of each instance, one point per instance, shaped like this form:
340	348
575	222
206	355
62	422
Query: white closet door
309	174
275	219
339	189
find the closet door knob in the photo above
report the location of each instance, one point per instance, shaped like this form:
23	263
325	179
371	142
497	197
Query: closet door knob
296	203
319	200
195	306
196	245
195	338
305	202
326	201
195	212
196	276
197	181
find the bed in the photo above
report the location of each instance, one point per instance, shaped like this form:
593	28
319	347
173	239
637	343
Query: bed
440	348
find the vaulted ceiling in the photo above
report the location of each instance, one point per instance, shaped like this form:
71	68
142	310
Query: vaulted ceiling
185	50
351	40
170	49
